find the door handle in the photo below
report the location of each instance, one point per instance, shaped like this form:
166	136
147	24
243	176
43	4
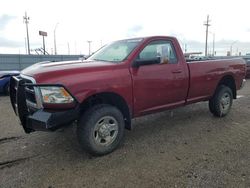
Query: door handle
177	71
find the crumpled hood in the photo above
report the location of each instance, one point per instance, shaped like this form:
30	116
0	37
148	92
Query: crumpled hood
52	72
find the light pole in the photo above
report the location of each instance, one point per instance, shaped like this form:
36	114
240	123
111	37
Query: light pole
231	47
55	38
89	41
68	49
26	21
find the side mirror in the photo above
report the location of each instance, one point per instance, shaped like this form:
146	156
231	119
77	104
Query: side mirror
164	60
139	62
164	52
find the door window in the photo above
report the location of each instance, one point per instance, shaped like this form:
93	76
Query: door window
159	49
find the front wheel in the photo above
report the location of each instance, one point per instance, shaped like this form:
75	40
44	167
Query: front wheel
220	104
101	129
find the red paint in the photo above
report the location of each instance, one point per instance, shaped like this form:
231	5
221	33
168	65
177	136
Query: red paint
145	89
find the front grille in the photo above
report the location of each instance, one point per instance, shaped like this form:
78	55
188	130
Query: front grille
30	93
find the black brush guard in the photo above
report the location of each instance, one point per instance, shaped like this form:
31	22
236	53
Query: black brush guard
39	119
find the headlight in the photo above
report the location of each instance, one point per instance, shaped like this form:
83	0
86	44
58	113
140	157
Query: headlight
55	95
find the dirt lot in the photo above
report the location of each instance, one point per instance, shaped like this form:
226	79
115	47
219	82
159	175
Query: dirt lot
184	148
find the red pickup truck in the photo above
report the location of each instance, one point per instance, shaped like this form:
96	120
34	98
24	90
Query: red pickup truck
121	81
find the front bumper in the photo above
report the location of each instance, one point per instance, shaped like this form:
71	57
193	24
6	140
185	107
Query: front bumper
49	121
37	119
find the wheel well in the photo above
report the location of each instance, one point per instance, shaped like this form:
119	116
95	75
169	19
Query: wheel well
112	99
229	82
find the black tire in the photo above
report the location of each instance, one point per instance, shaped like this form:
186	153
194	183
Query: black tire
7	89
92	131
220	104
211	105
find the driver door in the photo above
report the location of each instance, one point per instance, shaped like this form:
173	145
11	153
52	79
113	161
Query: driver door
160	85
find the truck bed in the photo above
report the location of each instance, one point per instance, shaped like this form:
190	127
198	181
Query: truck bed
205	75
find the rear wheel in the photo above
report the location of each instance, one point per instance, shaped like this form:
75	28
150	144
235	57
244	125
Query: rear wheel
220	104
101	129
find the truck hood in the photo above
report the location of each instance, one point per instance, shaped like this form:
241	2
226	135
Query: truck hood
53	72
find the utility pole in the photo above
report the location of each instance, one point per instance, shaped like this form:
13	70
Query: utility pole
25	45
89	41
26	21
207	25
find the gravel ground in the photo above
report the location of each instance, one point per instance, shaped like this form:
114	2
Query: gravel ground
187	147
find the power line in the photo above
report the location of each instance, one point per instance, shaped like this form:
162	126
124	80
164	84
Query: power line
207	24
26	21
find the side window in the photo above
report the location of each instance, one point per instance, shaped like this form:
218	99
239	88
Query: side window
159	49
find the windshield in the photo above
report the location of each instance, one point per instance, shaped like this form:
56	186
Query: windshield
116	51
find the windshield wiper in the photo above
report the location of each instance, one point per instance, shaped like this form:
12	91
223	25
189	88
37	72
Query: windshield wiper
115	61
98	60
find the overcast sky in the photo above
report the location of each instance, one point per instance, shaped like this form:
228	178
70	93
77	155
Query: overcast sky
102	21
